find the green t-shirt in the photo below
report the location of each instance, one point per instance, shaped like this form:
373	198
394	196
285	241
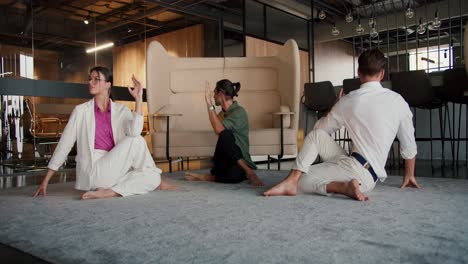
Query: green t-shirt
235	119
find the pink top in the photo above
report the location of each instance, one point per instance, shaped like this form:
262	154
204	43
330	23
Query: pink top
103	138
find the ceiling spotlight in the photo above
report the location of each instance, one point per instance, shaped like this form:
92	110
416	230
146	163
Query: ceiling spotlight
409	12
87	19
322	15
129	29
373	31
349	17
335	31
421	28
359	28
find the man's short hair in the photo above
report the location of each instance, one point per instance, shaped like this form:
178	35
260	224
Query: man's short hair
371	62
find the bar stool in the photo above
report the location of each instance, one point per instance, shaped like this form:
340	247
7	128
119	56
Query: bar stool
318	97
455	83
350	85
415	87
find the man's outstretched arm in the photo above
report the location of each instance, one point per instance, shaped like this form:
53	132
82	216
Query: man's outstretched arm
409	180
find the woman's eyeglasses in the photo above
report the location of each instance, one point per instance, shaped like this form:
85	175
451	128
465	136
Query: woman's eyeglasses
94	80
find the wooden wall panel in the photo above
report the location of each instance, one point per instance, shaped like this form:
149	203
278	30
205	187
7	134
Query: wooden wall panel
45	61
187	42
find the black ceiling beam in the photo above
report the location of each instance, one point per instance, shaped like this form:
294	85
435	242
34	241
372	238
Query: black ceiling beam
184	9
327	7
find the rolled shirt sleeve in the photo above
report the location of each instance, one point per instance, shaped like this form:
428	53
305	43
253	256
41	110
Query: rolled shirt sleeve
133	123
405	135
331	122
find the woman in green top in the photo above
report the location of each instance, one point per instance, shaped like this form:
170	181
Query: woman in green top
232	162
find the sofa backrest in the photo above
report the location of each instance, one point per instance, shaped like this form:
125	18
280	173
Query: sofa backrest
177	85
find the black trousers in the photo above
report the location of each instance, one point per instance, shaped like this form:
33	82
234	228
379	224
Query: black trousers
227	153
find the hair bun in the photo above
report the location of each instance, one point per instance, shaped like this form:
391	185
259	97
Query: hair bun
236	87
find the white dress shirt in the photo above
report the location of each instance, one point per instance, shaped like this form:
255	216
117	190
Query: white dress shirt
373	116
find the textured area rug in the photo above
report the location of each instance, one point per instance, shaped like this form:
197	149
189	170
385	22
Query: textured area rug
219	223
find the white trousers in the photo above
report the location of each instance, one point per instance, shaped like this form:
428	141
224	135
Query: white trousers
337	166
127	169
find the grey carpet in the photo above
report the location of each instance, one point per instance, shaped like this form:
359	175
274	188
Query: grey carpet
218	223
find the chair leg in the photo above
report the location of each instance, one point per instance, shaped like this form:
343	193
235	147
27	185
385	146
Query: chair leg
430	136
454	118
188	163
268	162
447	113
182	163
458	136
442	137
466	135
279	162
170	164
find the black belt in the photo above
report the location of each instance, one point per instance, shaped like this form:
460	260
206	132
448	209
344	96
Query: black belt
365	164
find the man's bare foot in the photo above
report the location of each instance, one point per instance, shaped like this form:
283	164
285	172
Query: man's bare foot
190	176
352	191
99	194
288	187
164	186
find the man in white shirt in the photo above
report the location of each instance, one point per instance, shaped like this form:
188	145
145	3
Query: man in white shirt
373	116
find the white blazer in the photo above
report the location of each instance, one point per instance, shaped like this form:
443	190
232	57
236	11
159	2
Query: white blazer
81	129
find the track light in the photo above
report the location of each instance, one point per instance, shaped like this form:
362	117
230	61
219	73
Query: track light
409	11
421	28
359	28
349	17
436	23
335	31
373	32
322	15
87	19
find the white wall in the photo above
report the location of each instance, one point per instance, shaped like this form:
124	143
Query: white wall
334	61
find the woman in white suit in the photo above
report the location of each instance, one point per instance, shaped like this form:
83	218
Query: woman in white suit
112	158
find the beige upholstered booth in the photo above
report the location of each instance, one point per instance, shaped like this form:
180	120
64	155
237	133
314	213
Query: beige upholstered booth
175	94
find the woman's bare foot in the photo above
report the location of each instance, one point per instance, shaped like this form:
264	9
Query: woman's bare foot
190	176
254	180
164	186
286	188
100	193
